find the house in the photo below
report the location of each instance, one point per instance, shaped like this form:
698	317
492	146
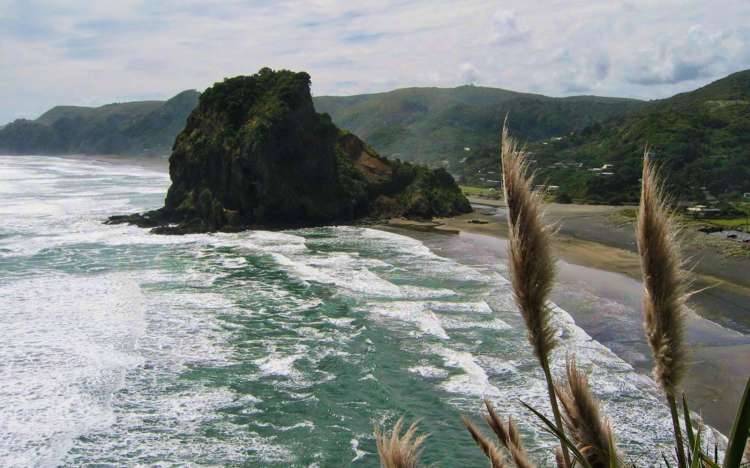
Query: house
702	211
546	188
565	164
606	169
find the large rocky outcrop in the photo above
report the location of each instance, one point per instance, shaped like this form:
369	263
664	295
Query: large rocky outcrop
255	153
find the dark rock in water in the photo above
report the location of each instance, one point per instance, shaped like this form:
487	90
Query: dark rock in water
255	153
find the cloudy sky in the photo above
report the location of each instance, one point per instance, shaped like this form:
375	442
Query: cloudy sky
95	52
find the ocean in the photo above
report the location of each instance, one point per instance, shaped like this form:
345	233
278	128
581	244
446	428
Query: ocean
123	348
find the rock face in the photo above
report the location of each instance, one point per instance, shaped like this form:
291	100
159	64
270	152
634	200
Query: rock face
255	153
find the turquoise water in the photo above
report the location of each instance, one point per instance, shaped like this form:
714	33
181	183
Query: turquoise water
122	348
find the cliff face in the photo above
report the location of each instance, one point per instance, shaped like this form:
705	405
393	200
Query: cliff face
255	153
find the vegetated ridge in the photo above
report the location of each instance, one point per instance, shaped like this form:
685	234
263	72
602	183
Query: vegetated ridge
131	128
700	140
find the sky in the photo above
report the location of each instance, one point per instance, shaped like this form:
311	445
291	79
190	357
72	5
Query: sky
95	52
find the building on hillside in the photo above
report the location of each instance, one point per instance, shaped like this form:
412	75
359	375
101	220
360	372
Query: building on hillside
567	164
546	188
605	170
703	211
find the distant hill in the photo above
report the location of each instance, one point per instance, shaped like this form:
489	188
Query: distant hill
132	128
429	125
700	138
435	125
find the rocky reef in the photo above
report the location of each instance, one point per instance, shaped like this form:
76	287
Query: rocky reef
255	153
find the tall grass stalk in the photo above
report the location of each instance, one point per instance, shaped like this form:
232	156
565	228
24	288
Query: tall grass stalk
664	292
399	451
509	437
532	268
489	448
591	432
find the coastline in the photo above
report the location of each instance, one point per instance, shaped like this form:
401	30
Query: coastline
155	163
599	285
587	235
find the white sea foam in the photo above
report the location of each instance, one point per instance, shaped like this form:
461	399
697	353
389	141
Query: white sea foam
414	312
473	380
72	340
358	453
275	364
67	343
429	372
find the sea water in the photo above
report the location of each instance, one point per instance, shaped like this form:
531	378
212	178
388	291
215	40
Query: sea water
122	348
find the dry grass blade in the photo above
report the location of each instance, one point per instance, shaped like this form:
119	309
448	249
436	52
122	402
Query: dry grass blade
559	458
509	436
588	429
488	447
664	297
532	268
661	263
399	451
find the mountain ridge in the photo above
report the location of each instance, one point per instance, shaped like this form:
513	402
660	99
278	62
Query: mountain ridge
699	133
25	136
129	128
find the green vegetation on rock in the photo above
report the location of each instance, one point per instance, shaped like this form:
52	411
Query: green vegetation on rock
255	153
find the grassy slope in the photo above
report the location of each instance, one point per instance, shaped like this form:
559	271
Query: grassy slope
435	124
701	139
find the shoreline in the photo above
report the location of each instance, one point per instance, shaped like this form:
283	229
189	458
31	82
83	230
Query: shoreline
588	236
599	286
155	163
597	258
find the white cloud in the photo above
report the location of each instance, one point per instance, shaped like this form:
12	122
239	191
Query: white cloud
697	54
76	52
469	73
506	28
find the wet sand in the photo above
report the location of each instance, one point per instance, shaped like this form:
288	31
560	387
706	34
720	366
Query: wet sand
588	236
156	163
599	285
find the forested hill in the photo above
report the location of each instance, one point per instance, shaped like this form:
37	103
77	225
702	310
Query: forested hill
700	139
427	125
132	128
435	125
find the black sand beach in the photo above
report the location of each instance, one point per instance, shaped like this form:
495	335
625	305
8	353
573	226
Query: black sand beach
599	285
